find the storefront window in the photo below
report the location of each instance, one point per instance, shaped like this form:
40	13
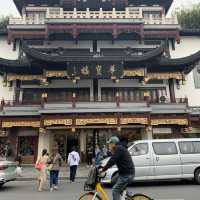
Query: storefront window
163	133
28	149
26	146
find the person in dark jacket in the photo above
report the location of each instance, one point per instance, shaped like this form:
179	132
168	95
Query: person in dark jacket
121	158
123	140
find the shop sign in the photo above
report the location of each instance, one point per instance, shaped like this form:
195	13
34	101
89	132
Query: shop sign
164	76
129	120
13	77
155	122
9	124
50	122
101	69
133	73
57	74
108	121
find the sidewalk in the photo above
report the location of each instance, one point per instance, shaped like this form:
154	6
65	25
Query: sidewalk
30	173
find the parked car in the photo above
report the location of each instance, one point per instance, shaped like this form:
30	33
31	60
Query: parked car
7	171
162	159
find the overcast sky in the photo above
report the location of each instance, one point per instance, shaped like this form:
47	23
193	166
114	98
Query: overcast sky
7	7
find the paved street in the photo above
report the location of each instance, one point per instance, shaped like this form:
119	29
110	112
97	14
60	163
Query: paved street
26	190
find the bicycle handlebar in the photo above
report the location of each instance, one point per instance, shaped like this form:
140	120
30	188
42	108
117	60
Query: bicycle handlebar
101	174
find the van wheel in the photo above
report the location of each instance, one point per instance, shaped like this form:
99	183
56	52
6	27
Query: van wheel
197	176
114	179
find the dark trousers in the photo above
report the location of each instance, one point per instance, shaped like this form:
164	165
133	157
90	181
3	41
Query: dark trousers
120	186
73	172
54	178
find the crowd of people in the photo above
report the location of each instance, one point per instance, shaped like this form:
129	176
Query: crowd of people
51	164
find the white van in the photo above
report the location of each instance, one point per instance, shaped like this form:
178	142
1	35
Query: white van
162	159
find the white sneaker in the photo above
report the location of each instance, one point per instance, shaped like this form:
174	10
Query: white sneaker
51	189
55	187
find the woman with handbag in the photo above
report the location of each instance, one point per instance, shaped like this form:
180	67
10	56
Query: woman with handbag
55	162
41	166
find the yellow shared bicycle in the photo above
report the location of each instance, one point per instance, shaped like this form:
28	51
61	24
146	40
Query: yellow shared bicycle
95	191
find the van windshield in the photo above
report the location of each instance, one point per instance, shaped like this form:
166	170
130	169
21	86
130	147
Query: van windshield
130	144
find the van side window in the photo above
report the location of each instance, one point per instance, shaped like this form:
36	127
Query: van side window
139	149
196	147
186	147
164	148
189	147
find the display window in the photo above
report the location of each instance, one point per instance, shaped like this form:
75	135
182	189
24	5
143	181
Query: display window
3	143
27	148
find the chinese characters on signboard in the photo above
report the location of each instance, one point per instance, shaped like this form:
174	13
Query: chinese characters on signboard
95	69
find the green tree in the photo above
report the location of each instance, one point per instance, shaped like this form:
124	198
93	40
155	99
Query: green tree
4	22
189	18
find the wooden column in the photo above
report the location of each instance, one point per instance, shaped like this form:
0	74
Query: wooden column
171	91
73	100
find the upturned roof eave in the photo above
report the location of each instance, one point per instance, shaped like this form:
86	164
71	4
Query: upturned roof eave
44	57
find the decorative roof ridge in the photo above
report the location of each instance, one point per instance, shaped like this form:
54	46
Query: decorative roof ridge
188	60
70	4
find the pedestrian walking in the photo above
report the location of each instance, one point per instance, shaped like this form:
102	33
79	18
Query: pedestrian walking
18	161
73	161
89	156
105	151
98	155
42	170
55	162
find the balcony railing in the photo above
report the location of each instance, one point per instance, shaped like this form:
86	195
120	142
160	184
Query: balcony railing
73	101
26	21
61	14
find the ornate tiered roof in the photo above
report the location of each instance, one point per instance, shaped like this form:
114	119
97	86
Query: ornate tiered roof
93	4
44	57
154	60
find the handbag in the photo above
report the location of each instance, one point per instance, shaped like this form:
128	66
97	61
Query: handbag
39	166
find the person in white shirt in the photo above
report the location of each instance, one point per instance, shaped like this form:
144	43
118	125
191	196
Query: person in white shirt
73	161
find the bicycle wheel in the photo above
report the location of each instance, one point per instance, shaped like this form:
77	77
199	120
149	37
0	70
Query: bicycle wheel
140	197
90	196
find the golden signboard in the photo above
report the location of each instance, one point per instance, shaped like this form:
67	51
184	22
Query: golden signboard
54	73
13	77
10	124
50	122
130	120
109	121
169	121
164	76
133	73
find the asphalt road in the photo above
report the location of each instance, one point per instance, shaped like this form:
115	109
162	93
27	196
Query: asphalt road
27	190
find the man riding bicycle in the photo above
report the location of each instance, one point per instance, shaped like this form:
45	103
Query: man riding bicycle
126	170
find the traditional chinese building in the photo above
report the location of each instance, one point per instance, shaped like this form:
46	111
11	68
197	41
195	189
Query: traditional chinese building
88	69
